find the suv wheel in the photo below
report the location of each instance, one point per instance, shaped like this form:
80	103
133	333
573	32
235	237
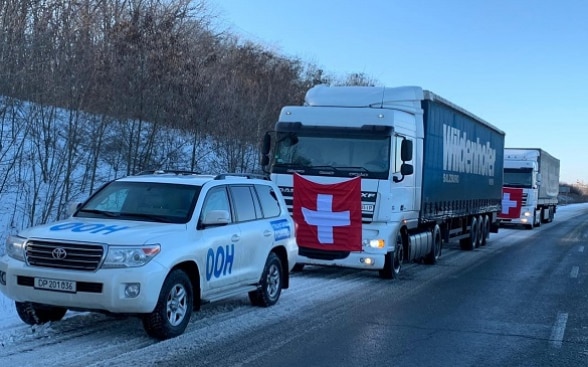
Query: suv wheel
174	307
270	287
34	313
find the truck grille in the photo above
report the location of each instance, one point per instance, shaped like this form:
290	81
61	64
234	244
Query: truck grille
74	256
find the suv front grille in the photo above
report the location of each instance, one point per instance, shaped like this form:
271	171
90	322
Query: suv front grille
74	256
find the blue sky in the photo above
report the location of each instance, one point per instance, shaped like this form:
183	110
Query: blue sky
519	64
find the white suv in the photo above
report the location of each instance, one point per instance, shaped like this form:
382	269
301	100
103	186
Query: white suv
156	245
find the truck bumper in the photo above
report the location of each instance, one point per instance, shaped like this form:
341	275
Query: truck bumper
356	260
103	290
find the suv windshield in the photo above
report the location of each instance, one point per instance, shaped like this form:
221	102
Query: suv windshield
145	201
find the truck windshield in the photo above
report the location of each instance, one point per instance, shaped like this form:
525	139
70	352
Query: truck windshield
522	178
145	201
335	153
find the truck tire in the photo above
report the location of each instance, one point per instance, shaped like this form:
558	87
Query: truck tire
537	221
173	309
435	253
270	284
479	230
469	243
34	313
298	267
485	230
393	260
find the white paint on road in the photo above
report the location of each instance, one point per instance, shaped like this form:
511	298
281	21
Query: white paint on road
581	249
558	330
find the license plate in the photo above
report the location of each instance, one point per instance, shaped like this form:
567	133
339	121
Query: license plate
55	285
367	207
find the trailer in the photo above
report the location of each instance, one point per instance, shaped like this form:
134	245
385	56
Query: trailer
376	177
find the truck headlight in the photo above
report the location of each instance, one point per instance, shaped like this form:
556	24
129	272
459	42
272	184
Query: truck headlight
15	247
129	257
377	243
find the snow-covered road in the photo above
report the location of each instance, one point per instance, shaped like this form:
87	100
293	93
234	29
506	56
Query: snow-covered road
88	339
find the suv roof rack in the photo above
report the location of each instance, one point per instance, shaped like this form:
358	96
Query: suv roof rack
222	176
168	171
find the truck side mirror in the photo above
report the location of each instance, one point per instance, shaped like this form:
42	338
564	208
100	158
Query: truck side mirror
266	144
264	160
406	169
406	150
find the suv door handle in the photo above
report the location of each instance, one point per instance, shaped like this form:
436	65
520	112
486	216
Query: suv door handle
267	233
235	238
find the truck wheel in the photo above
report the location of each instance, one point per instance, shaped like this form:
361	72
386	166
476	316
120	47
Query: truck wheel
35	313
270	284
469	243
485	230
479	231
173	309
298	267
393	260
537	221
435	253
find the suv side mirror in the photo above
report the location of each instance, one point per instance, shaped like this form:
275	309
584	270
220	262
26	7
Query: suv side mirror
216	218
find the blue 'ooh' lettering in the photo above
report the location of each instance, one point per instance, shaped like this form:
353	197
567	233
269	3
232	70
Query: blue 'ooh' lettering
220	263
87	227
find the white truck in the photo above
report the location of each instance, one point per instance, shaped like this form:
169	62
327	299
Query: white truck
530	188
425	171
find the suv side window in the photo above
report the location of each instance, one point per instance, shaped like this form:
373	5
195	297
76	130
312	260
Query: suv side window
216	199
269	201
246	205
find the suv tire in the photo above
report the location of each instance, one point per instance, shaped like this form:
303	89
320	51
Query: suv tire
270	284
35	314
174	307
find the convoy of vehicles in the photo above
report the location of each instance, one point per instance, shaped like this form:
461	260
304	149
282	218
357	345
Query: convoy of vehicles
430	171
360	177
155	245
531	187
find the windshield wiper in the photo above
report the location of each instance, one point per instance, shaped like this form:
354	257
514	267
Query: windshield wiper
151	217
291	165
359	168
101	212
324	167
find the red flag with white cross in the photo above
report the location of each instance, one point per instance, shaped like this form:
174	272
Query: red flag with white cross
328	216
512	200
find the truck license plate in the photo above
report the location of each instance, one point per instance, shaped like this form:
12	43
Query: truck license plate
55	285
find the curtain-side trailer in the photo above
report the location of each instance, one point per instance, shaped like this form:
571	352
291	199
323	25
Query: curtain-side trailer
429	172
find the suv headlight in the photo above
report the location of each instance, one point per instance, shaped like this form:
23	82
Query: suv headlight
15	247
129	257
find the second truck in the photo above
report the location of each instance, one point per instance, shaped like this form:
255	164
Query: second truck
429	172
531	187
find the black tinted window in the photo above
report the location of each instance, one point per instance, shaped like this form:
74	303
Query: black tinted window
269	201
245	203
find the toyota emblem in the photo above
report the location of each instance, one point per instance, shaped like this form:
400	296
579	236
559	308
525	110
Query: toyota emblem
59	253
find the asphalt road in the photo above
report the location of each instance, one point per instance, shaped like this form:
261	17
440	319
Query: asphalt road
519	301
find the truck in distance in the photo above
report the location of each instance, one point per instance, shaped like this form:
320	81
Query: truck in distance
423	171
530	188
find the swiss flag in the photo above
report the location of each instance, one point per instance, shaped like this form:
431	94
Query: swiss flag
328	215
512	200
